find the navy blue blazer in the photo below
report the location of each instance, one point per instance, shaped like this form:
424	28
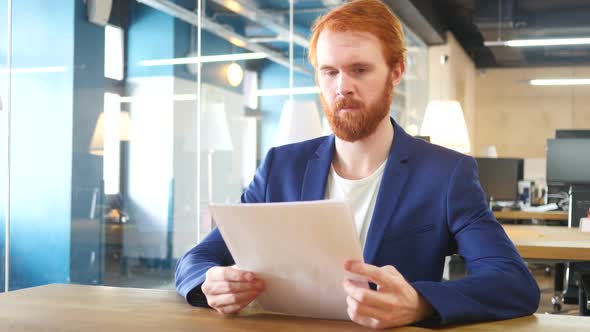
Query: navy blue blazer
430	205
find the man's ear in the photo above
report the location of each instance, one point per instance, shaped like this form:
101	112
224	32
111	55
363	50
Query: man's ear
398	72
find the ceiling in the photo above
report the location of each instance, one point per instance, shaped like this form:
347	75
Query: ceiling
475	21
472	22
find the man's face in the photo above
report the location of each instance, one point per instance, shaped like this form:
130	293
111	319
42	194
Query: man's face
356	83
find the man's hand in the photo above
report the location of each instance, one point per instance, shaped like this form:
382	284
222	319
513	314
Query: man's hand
229	290
395	303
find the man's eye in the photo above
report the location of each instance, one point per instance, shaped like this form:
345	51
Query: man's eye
359	70
331	73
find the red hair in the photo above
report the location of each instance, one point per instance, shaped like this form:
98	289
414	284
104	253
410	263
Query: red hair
370	16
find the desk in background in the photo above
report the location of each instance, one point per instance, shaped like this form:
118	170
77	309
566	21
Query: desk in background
555	243
524	215
550	242
99	308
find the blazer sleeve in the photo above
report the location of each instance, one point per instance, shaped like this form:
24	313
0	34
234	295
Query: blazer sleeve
212	251
498	284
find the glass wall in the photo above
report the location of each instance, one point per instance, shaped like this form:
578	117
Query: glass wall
126	126
411	96
4	93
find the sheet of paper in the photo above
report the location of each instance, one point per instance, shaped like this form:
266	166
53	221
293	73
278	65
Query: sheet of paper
299	250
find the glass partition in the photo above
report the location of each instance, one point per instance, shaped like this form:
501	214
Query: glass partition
98	139
411	96
126	126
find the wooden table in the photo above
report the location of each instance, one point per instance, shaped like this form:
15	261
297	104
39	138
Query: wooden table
99	308
524	215
550	242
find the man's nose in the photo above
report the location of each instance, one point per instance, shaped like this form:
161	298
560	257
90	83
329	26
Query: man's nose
344	85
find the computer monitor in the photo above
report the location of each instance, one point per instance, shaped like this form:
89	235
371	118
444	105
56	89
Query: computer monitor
572	133
568	161
499	177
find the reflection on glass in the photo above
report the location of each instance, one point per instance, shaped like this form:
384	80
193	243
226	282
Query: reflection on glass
114	54
411	96
299	121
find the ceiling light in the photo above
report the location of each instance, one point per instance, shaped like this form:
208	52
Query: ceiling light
562	81
147	98
35	70
233	6
204	59
306	90
234	74
332	3
539	42
237	41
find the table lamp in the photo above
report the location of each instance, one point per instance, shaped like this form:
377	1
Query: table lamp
445	124
299	121
97	142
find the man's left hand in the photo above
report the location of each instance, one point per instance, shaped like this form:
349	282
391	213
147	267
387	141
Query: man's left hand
394	303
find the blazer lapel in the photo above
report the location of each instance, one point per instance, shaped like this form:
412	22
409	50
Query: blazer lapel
391	188
316	171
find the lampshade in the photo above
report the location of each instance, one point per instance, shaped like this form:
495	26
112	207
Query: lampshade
489	151
445	124
299	121
97	142
215	135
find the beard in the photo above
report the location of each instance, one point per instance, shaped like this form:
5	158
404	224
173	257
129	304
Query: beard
360	123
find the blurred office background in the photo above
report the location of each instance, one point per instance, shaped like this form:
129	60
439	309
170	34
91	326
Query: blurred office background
121	120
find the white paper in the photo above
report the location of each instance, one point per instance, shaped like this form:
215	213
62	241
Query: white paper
298	249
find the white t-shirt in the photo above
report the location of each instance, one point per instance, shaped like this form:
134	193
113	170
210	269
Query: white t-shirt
361	195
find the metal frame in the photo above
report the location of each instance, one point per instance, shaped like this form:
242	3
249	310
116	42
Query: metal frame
8	110
199	68
208	24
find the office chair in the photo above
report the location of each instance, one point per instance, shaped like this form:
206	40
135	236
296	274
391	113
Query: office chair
584	294
578	273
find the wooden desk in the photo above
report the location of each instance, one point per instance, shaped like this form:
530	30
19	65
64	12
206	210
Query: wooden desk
523	215
549	242
98	308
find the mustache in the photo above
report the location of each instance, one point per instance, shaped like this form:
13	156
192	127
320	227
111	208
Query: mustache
347	102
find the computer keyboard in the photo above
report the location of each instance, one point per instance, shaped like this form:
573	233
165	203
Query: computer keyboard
540	208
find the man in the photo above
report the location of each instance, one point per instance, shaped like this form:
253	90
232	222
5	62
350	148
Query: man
414	202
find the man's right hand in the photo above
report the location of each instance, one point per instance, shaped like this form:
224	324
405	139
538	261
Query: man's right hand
229	290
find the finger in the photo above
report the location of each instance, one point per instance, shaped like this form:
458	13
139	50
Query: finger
231	309
229	274
362	310
367	296
236	307
362	320
225	287
360	284
396	280
371	272
386	277
218	301
391	269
